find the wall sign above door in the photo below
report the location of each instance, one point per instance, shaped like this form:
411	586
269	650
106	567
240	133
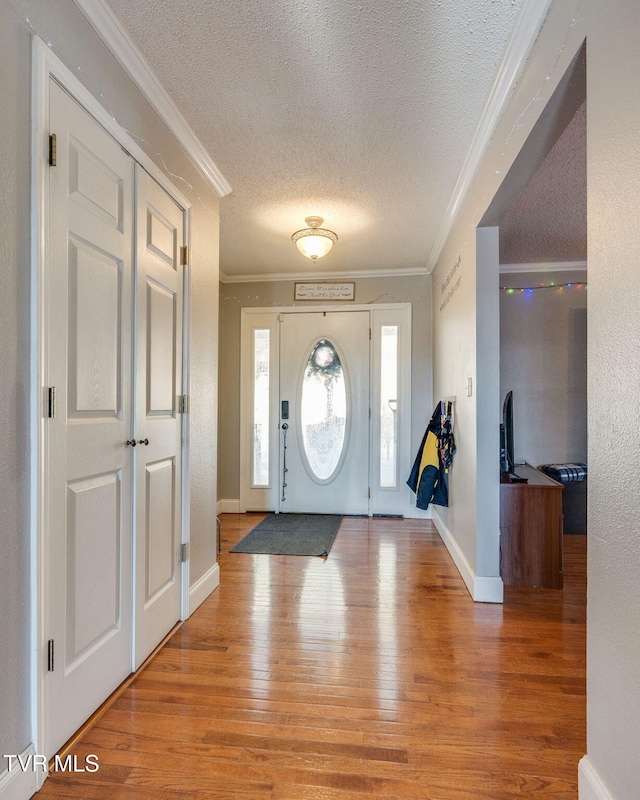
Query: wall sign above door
324	291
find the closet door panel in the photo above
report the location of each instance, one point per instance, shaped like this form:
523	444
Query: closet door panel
94	333
160	529
87	537
160	236
161	350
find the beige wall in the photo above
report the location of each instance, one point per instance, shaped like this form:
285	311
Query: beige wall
60	23
612	30
543	359
234	296
613	363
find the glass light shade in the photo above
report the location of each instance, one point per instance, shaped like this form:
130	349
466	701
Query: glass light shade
314	241
314	246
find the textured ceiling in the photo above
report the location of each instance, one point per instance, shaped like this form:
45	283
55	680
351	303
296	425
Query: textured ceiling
548	221
361	113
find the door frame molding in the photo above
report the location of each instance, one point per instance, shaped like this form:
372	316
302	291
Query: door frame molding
46	66
246	392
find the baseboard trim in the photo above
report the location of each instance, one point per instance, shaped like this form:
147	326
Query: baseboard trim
19	785
228	506
203	587
482	589
488	589
418	513
590	784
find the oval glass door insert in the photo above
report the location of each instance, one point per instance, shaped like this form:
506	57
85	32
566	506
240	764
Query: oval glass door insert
323	410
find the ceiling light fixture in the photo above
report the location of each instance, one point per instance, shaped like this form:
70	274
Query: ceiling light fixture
314	241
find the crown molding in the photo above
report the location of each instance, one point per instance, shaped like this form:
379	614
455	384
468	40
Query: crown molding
530	20
323	276
545	266
109	29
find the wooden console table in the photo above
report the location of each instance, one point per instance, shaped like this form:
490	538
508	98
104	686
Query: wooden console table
531	530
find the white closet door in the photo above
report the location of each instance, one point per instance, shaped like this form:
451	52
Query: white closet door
158	423
87	344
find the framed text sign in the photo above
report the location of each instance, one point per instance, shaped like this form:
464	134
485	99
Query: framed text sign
324	291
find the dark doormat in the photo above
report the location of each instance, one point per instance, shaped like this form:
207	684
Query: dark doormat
292	535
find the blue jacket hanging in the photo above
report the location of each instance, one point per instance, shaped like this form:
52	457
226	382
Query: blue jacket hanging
428	478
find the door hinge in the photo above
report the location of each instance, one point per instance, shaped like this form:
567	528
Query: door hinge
369	334
51	402
369	413
369	493
50	656
184	255
183	404
184	552
53	150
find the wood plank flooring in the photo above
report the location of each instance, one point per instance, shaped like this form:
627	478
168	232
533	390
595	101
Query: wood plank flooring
370	673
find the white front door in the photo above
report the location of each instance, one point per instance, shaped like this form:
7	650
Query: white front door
324	404
158	422
87	365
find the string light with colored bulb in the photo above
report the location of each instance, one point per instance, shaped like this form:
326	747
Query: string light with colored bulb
551	285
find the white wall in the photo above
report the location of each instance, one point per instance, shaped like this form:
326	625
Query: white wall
72	39
612	767
15	733
543	359
234	296
613	364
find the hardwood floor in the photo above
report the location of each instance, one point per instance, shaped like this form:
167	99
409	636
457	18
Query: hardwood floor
369	673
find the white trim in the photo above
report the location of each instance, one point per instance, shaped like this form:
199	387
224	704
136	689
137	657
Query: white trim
481	589
109	29
19	785
590	784
46	66
233	507
271	496
488	589
254	498
306	309
39	225
396	499
459	558
185	602
418	513
545	266
203	587
229	506
530	20
324	276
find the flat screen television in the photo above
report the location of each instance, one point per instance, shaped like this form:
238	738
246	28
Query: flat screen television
506	435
